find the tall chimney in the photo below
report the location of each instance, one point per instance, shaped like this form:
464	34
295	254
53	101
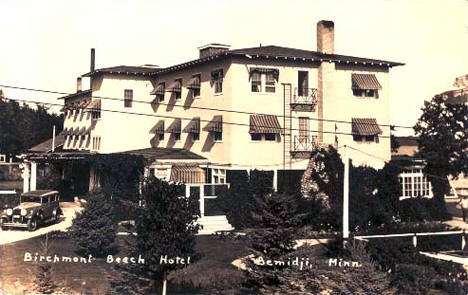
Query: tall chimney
93	55
78	84
325	36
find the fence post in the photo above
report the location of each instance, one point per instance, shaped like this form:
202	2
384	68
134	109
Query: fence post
415	240
463	243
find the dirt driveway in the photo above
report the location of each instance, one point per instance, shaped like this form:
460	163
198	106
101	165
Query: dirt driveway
13	235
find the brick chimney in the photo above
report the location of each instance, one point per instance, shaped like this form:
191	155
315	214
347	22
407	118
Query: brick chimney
325	36
212	49
78	84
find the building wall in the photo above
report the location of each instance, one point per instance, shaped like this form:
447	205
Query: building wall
205	107
77	119
339	103
120	131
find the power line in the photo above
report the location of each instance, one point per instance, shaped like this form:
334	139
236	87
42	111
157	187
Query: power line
195	107
201	120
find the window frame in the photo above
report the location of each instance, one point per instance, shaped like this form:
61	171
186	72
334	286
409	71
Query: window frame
196	93
218	82
128	98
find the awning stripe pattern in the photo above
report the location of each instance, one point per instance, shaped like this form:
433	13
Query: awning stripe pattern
158	90
194	83
175	127
365	82
365	126
275	72
93	106
216	124
187	174
264	124
158	128
193	126
175	86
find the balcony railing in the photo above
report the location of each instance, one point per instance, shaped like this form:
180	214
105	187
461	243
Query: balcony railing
304	98
305	143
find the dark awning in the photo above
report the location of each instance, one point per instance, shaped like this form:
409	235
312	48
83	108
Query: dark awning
187	174
175	86
158	128
215	125
67	131
193	126
365	82
94	105
175	127
264	124
275	72
83	131
158	90
194	83
365	126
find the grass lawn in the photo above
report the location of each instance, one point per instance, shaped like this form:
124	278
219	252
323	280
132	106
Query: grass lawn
213	269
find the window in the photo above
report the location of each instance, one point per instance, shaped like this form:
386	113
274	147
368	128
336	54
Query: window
303	83
414	183
96	143
195	136
178	91
256	80
262	81
366	138
270	136
217	80
161	136
218	136
219	175
365	85
95	114
176	136
128	98
196	85
256	136
303	128
160	91
366	93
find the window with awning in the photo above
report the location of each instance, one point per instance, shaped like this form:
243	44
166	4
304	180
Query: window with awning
158	128
263	124
159	90
193	126
175	127
365	129
187	174
215	125
175	86
194	82
93	106
267	71
365	81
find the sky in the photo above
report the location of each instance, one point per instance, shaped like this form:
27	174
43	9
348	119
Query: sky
45	44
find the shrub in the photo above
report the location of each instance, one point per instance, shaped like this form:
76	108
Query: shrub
422	209
93	229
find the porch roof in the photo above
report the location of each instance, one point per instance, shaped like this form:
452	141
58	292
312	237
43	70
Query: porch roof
158	153
46	146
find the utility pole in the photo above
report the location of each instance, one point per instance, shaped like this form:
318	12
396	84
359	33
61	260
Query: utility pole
53	139
346	196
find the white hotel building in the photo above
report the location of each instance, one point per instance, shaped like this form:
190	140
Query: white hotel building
263	108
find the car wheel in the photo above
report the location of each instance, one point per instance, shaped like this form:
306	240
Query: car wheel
32	224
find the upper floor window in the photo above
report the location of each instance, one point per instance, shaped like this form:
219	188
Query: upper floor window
194	85
263	79
176	88
217	80
365	85
128	98
365	129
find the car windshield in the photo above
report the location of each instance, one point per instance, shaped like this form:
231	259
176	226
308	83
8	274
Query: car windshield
32	199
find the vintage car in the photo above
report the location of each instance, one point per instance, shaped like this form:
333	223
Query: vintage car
35	208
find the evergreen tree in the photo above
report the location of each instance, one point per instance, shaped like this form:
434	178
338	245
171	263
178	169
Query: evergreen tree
93	229
43	280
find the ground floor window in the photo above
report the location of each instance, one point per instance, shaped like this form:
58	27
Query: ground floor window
218	175
414	183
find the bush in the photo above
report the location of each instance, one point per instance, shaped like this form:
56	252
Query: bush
93	229
422	209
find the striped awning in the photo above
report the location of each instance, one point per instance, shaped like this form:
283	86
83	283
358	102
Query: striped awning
274	72
94	105
187	174
193	126
175	127
158	128
215	125
158	90
194	83
175	86
264	124
365	126
67	131
83	131
365	82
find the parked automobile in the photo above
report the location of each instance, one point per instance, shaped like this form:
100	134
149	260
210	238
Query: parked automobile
35	208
